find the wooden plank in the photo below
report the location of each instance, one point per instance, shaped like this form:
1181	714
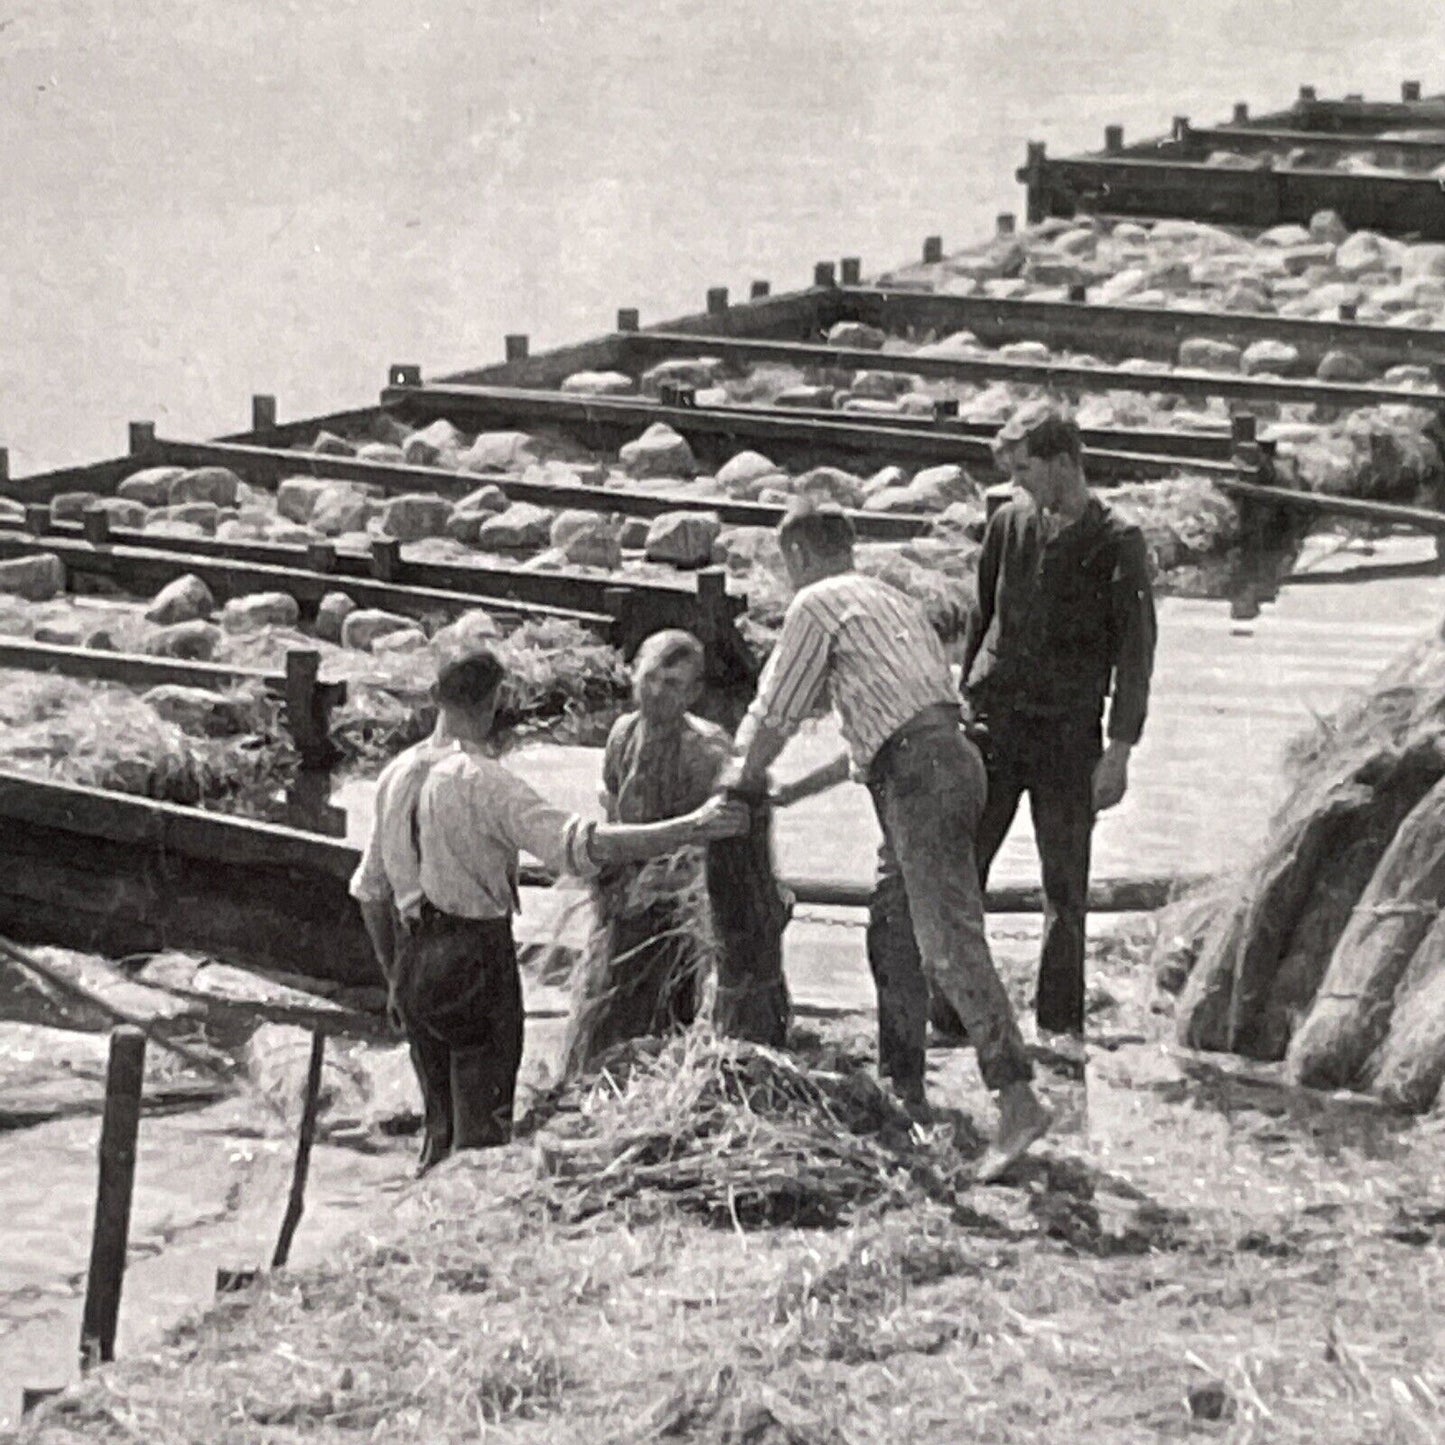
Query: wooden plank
1421	519
143	569
576	591
1143	331
872	525
1134	186
782	434
1053	374
129	669
1201	140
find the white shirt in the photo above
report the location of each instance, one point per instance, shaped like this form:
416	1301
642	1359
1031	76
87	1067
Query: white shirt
450	823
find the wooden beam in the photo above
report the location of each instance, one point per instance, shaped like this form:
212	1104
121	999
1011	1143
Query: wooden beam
1204	139
1421	519
1054	374
1134	331
264	466
1394	204
148	568
785	435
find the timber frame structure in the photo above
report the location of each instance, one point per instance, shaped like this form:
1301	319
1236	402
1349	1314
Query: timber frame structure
120	875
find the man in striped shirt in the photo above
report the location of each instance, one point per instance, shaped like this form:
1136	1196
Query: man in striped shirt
870	650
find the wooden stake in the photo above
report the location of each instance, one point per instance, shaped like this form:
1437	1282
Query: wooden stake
4	464
517	346
119	1126
932	250
628	318
1113	139
1409	91
717	300
824	274
263	413
1241	112
759	289
1308	93
385	559
852	270
142	437
95	526
295	1205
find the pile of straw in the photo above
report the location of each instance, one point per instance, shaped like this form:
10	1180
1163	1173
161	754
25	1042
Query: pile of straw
741	1135
107	737
1326	951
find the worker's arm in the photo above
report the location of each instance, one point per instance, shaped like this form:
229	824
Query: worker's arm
788	692
380	921
980	619
1135	633
820	779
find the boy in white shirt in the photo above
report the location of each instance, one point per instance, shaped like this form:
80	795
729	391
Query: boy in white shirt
437	888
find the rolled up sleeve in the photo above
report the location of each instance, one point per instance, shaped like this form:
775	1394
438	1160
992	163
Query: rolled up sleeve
559	840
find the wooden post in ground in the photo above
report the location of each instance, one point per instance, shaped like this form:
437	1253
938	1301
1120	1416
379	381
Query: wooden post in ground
1241	112
1032	175
142	437
759	289
263	413
628	318
517	346
852	270
119	1126
308	716
310	1106
825	274
4	464
95	526
932	250
717	300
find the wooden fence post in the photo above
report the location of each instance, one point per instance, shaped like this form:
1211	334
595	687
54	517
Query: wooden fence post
310	1106
1032	175
824	274
717	300
1241	112
385	559
308	708
852	270
95	526
628	318
932	250
120	1123
4	464
263	413
517	347
759	289
1113	139
142	438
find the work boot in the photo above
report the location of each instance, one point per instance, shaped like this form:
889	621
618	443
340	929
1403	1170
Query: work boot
1022	1121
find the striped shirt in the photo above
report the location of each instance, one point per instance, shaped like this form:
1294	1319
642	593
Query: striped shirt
450	823
865	645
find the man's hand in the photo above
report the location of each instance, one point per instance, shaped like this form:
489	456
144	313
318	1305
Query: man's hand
719	817
1111	776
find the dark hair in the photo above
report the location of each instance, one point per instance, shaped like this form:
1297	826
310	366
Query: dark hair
470	680
822	528
1055	436
670	646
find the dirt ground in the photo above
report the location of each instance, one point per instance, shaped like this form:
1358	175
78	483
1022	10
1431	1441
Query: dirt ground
1197	1253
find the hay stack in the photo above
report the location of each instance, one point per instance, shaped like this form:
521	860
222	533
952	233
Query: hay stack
739	1134
1328	951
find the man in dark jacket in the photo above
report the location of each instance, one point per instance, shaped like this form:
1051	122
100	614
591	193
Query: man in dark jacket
1064	623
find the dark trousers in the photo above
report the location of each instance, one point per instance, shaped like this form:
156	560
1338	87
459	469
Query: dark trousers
1053	761
459	994
926	922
